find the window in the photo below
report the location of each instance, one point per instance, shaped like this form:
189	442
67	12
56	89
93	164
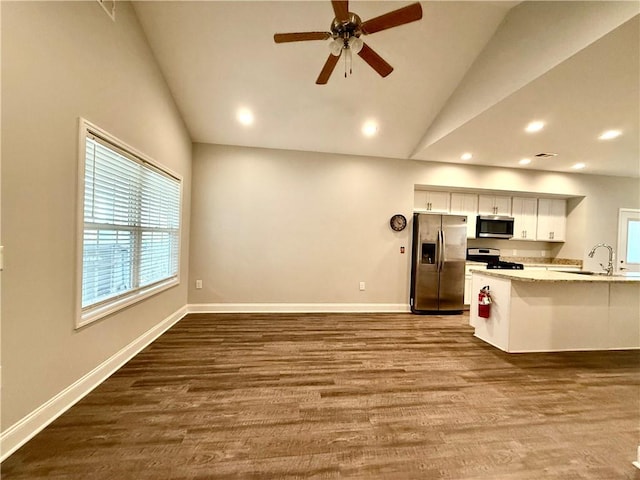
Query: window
130	226
629	239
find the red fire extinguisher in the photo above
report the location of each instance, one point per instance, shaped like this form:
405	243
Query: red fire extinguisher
484	302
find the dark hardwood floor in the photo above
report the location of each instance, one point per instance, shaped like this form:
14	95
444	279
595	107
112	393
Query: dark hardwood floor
345	396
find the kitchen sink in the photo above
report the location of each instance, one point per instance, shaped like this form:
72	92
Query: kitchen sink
602	274
581	272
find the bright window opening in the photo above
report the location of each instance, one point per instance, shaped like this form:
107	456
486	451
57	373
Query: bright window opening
131	227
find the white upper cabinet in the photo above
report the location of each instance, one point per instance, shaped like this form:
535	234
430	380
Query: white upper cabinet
525	214
541	219
431	201
494	205
466	204
552	219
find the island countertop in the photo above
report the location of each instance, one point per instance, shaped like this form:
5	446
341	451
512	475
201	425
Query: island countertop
556	276
548	311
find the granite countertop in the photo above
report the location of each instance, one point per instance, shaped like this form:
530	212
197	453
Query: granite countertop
544	262
536	262
555	276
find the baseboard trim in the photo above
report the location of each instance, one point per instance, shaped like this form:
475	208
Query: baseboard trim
29	426
298	308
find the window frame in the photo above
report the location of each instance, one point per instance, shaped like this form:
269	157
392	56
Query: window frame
96	312
625	216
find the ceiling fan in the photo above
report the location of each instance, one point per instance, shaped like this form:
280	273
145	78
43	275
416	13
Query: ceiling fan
346	29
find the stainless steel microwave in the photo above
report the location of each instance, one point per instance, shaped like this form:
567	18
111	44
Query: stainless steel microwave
494	226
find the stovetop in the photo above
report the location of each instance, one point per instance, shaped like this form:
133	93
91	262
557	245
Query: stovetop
491	256
501	265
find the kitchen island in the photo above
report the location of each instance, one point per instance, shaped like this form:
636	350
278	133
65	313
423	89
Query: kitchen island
546	311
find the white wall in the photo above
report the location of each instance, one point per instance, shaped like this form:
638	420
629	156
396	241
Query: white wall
273	226
296	227
60	61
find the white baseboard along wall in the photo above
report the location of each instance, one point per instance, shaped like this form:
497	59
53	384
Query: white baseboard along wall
28	427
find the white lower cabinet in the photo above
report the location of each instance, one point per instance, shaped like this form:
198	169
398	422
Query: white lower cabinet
467	282
467	289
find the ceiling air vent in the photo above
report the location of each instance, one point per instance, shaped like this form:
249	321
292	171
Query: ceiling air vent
546	155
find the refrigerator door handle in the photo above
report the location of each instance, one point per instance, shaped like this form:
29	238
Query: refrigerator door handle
440	248
442	251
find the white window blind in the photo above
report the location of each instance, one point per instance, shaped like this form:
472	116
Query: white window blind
131	224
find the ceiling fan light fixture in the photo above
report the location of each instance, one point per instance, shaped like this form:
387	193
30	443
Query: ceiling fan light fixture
336	47
355	44
345	30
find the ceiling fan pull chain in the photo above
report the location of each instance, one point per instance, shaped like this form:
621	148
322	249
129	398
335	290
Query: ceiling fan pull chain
345	62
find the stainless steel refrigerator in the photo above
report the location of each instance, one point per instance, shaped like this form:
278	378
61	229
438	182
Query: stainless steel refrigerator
438	258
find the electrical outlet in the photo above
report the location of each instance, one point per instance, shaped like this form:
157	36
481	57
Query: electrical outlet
198	284
361	286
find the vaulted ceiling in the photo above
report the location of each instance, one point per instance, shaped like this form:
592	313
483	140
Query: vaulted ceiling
468	77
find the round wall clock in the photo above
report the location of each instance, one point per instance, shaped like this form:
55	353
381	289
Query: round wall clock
398	222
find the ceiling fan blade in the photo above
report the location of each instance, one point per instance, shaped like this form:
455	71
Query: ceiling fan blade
375	61
403	15
300	37
327	70
341	9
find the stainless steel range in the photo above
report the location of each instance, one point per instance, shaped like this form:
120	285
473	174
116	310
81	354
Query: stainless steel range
491	256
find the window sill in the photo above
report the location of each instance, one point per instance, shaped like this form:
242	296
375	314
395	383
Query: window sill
90	315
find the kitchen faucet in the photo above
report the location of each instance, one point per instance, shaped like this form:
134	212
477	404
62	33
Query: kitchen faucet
609	267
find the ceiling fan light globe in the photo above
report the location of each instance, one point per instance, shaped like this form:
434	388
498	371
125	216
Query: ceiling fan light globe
355	44
336	47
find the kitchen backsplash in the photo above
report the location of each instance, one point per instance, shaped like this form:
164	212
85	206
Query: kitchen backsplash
523	251
513	248
542	261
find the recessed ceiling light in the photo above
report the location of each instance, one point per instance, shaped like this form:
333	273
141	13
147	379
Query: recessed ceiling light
525	161
245	116
466	156
534	126
369	129
609	134
578	166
